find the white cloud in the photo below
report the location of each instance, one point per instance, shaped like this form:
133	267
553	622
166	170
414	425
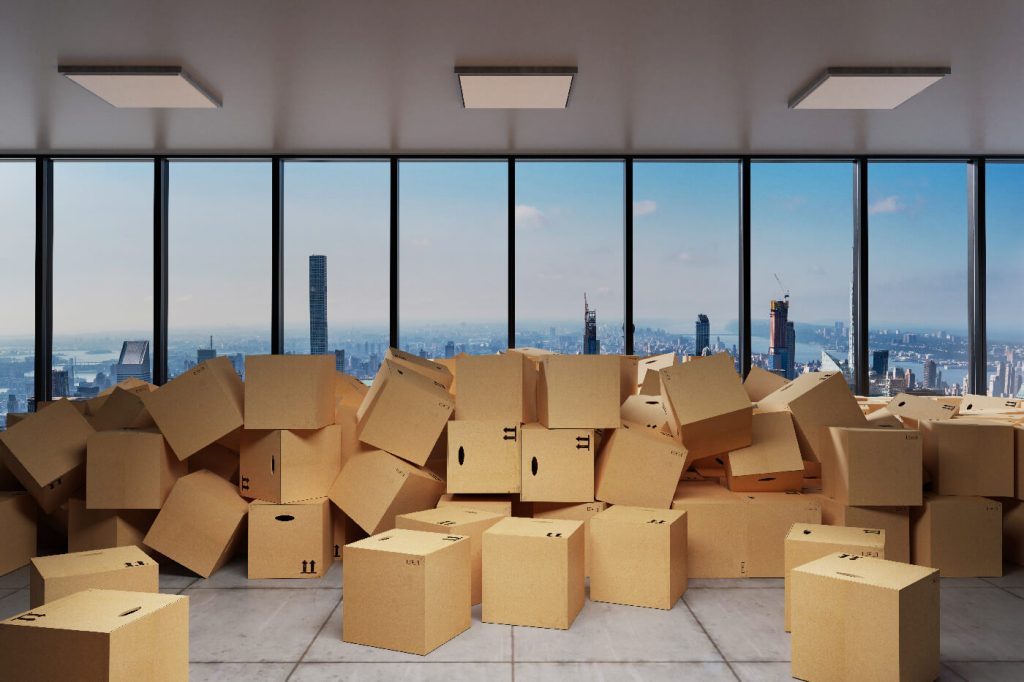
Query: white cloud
529	216
684	257
644	207
890	204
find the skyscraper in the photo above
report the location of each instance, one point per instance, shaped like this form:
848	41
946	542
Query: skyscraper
703	334
339	360
204	354
449	349
318	305
591	346
880	363
133	361
778	356
61	388
790	351
930	369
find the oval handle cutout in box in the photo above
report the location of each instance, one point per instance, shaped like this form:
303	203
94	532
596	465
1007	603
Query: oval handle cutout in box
284	517
129	612
533	466
462	455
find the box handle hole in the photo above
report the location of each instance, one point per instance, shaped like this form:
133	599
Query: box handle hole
284	517
129	612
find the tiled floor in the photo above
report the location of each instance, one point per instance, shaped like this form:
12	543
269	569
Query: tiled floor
722	630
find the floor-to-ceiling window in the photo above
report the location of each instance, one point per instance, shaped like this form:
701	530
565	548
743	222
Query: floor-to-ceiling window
17	272
1005	259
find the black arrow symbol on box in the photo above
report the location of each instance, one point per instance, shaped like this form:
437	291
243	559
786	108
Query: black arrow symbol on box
245	482
30	616
336	551
510	433
304	564
312	566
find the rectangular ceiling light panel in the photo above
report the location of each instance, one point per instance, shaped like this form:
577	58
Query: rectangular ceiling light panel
515	88
142	87
866	88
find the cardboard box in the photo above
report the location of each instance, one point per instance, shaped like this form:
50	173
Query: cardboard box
895	521
46	453
708	408
123	568
883	419
914	409
374	487
639	556
769	518
470	523
639	467
404	413
198	407
983	405
503	505
629	368
653	364
969	457
872	467
501	388
90	529
131	384
293	392
345	530
200	524
579	392
218	459
761	383
1013	532
289	466
483	457
557	464
290	540
648	410
573	512
101	635
651	384
130	470
816	400
434	371
17	530
406	590
772	462
533	572
807	542
861	618
124	409
959	535
1018	457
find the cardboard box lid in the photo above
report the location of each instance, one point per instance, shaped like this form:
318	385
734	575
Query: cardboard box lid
882	573
982	404
123	409
760	383
579	391
620	513
312	502
774	447
99	611
348	390
703	492
648	410
920	407
431	370
654	363
452	516
703	388
391	372
95	561
534	528
50	443
837	535
403	541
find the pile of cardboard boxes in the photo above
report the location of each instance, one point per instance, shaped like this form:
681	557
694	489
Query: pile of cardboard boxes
507	480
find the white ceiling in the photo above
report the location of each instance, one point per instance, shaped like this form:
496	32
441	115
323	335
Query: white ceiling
655	76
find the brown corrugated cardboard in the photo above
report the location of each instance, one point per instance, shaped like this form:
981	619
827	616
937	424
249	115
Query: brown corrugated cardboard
770	516
913	409
46	453
771	463
17	530
1013	531
883	419
345	530
90	529
122	568
450	365
290	540
124	409
374	487
198	407
404	413
1018	457
861	618
708	408
639	556
760	383
895	521
496	388
432	370
483	457
572	512
629	368
218	459
872	467
579	392
533	572
130	470
289	391
806	542
976	405
557	464
504	505
651	384
816	400
648	410
406	590
969	457
200	524
349	390
289	466
639	467
654	363
959	535
100	635
469	523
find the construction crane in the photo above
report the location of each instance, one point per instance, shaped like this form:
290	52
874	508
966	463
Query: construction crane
785	291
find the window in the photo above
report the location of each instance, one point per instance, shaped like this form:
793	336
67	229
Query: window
1004	250
219	235
453	257
102	274
917	280
17	268
569	237
801	266
685	257
337	230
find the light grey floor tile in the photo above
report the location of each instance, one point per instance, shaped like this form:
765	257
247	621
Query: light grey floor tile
981	625
612	632
618	672
407	672
737	583
763	672
14	603
745	624
255	626
947	583
482	642
1017	591
1013	576
239	672
175	575
989	672
235	574
15	580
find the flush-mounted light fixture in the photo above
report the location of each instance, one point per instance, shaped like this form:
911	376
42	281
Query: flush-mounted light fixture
142	87
518	87
844	87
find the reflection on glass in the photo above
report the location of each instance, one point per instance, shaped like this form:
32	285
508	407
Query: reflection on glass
1004	238
17	266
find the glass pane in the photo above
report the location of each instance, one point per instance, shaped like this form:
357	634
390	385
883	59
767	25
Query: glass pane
17	266
219	252
453	258
918	277
801	266
569	262
1004	250
685	256
337	229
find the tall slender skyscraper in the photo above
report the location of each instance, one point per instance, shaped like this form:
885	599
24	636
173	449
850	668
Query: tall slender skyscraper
591	346
790	351
318	305
703	334
778	355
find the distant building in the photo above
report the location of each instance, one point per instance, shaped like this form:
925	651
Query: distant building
591	346
778	354
61	388
133	363
339	360
880	363
930	370
318	305
790	351
449	349
12	402
703	330
204	354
